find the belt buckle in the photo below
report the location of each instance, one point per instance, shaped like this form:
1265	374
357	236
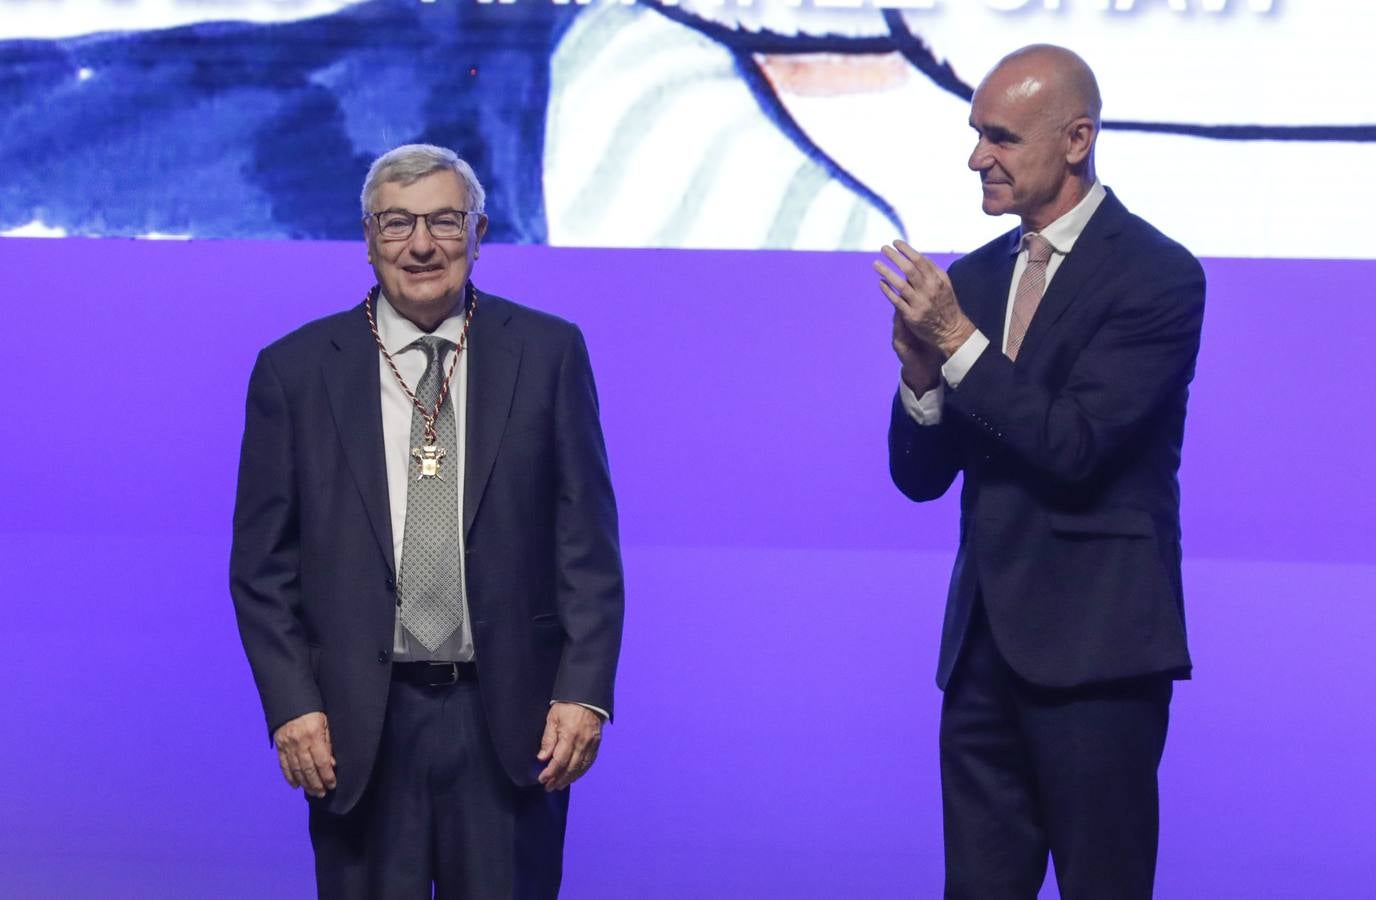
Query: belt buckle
453	668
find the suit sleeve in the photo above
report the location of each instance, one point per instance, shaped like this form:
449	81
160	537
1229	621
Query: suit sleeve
1143	353
264	574
923	459
587	548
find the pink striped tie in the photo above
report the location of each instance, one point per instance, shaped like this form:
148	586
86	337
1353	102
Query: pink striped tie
1030	288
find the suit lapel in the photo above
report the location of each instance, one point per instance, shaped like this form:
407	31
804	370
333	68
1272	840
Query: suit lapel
990	305
351	381
1091	250
494	357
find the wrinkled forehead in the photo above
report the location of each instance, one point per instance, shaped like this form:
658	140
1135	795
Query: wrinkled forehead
1025	88
1011	97
438	190
1016	83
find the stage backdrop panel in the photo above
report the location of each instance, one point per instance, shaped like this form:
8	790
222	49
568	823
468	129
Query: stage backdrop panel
777	712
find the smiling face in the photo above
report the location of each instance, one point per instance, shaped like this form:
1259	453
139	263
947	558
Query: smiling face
424	278
1033	148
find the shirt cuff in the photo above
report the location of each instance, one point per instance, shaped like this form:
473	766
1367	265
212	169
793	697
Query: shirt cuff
958	366
602	713
924	410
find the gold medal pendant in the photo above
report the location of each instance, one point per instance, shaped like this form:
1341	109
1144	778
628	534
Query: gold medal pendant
429	455
428	458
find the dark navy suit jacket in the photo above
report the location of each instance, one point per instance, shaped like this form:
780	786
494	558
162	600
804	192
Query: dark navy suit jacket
1070	508
312	573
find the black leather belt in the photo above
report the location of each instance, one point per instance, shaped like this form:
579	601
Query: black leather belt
434	674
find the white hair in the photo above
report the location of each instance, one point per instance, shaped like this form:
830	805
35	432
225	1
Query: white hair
410	163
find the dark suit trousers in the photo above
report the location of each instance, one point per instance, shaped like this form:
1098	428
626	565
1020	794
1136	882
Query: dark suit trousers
1026	770
439	810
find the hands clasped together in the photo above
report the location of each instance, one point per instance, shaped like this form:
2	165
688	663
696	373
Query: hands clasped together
569	746
928	324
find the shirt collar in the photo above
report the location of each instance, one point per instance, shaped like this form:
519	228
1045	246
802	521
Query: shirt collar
398	332
1065	231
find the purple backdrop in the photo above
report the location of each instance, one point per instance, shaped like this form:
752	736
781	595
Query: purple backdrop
777	714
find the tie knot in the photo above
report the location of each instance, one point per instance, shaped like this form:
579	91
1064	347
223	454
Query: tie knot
1038	248
435	347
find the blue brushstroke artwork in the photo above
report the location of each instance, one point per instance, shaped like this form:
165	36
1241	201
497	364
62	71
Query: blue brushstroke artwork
242	130
750	124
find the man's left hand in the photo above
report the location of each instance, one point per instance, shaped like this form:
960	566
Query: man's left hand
923	296
569	746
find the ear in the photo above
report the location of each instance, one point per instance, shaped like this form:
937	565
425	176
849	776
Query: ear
1080	134
368	237
479	232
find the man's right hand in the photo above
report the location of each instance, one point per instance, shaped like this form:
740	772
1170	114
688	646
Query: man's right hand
921	361
305	754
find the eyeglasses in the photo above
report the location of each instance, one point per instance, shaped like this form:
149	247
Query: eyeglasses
399	224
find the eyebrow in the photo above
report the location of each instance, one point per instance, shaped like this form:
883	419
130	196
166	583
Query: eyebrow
996	133
433	212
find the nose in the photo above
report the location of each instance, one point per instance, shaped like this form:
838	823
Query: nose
980	159
422	244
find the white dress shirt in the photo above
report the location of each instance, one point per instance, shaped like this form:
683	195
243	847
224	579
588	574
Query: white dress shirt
399	335
1061	235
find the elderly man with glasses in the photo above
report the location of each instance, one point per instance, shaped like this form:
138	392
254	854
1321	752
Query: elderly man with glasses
425	567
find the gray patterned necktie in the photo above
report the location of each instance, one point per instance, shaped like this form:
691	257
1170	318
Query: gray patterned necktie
430	588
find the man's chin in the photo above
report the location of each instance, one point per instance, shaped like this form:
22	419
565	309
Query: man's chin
428	293
426	304
994	206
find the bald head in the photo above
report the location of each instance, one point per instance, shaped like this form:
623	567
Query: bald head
1037	115
1055	76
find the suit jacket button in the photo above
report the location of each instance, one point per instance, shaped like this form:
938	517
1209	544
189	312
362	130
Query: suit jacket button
382	656
391	583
